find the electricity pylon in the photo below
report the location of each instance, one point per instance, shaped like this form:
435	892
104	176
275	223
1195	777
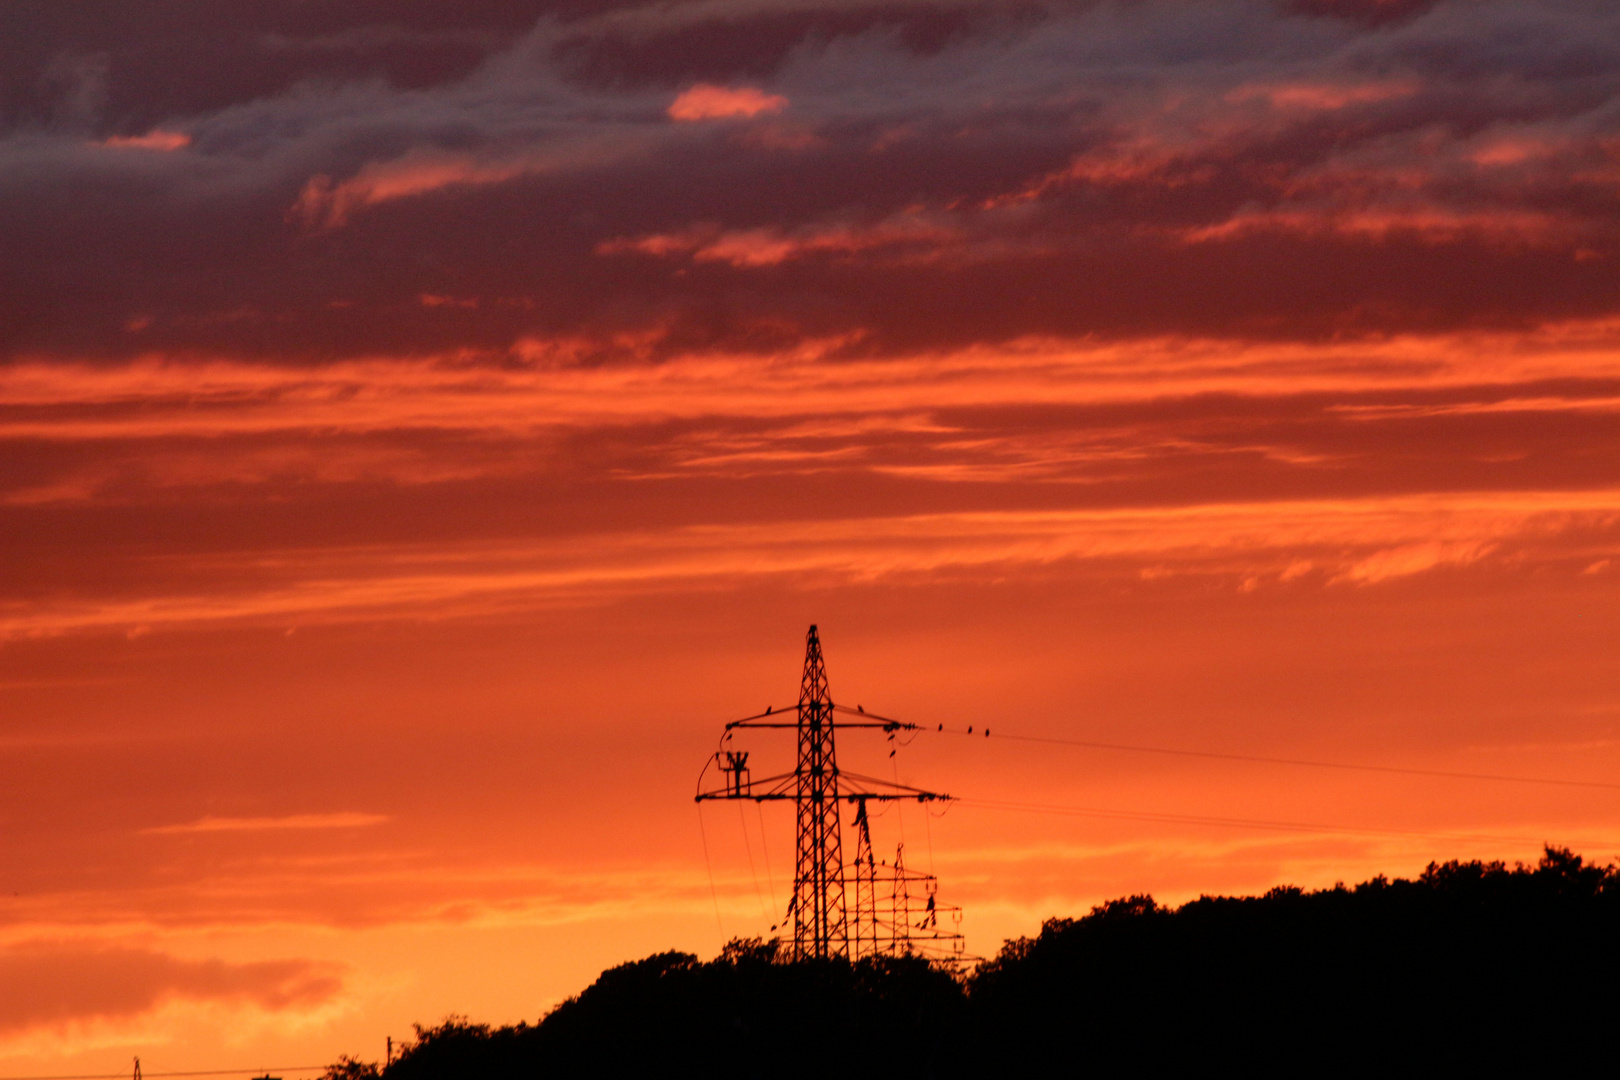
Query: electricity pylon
821	921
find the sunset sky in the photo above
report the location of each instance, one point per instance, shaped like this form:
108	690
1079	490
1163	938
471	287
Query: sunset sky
423	424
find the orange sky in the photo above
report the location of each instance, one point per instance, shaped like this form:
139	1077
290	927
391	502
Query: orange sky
417	438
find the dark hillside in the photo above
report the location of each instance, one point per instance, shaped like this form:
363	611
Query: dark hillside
1471	964
1470	961
746	1013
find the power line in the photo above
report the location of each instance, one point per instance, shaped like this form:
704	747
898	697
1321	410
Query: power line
753	874
709	866
1243	823
1301	762
770	878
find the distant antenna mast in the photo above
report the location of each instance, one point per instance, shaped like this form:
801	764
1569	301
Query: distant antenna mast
821	921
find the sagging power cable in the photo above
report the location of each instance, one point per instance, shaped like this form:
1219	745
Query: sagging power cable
1090	744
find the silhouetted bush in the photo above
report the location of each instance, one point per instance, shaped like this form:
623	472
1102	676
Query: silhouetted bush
747	1013
347	1068
456	1048
1471	965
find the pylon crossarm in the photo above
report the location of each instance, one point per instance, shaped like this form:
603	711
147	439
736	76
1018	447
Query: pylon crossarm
892	796
839	724
887	722
908	796
849	797
722	796
766	715
781	720
854	785
851	786
770	789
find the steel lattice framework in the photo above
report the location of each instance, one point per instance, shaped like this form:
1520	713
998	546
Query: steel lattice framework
822	924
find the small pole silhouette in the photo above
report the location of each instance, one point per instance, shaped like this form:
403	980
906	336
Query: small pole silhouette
137	1068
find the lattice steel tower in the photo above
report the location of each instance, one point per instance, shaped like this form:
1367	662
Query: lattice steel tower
822	926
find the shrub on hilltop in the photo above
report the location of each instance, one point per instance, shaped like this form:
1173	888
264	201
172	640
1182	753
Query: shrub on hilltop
747	1013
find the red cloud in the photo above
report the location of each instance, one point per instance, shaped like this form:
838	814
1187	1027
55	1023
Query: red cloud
707	102
1307	94
156	139
909	230
323	203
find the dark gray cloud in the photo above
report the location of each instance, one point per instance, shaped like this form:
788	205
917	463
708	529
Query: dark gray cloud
940	174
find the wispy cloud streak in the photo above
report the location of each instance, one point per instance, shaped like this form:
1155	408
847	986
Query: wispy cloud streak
1362	541
261	824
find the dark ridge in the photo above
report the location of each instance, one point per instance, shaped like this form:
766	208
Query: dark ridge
1470	964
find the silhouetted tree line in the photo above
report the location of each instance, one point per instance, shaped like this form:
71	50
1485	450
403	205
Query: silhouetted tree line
1471	965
